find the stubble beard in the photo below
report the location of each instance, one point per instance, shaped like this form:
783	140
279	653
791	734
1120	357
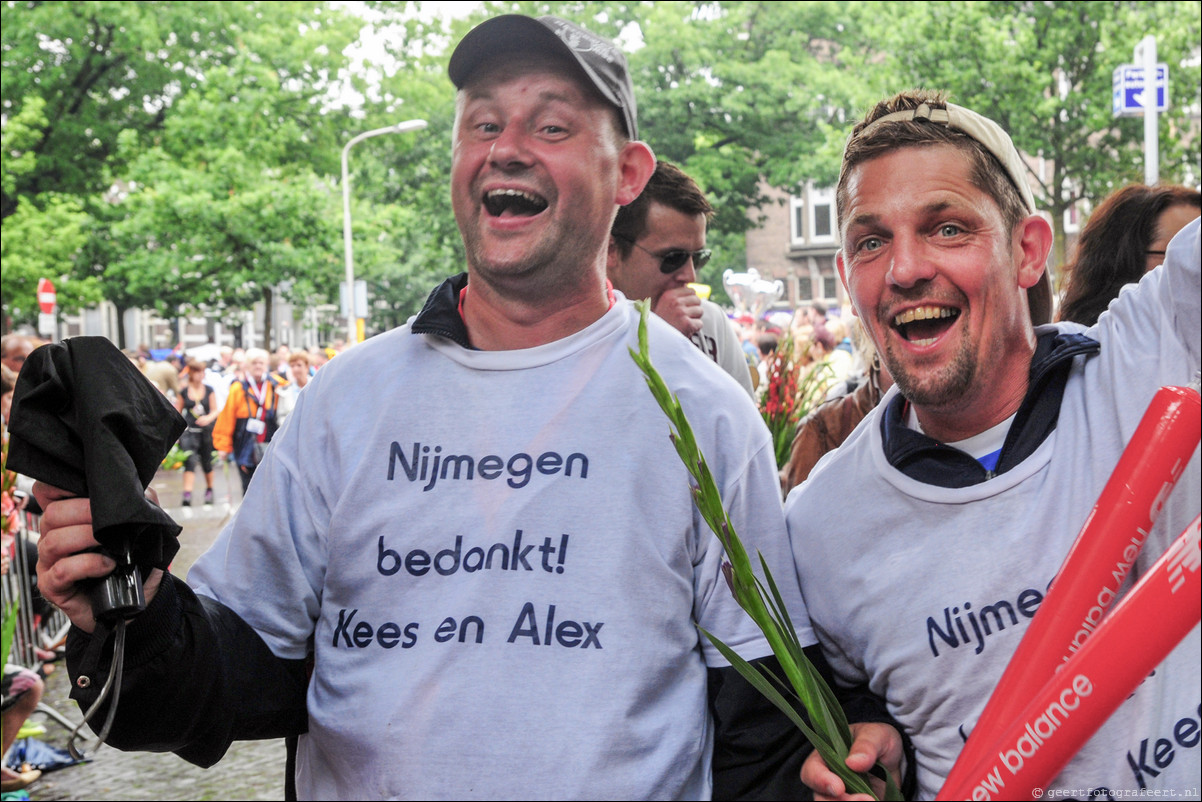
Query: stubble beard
548	270
943	387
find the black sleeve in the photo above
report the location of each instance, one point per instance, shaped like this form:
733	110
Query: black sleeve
758	751
196	678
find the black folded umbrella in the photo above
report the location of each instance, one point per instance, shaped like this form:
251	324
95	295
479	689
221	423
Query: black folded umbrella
86	420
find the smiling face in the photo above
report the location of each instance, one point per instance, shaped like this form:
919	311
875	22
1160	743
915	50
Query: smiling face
637	275
939	282
537	173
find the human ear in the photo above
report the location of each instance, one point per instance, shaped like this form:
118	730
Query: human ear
636	163
1033	242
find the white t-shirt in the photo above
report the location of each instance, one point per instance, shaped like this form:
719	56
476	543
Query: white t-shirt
718	341
924	592
500	563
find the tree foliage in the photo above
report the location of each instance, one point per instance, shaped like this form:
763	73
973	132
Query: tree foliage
185	156
1043	71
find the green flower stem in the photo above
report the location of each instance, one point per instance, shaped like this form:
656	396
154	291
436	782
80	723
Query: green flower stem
827	729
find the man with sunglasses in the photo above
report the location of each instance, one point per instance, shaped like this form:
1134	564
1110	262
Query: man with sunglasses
656	248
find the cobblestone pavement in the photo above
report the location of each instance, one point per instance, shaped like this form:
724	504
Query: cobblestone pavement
250	770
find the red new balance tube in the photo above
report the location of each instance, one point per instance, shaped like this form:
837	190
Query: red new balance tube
1099	560
1144	627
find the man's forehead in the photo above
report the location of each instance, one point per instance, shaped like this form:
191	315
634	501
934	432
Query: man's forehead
664	213
948	154
939	177
507	67
941	162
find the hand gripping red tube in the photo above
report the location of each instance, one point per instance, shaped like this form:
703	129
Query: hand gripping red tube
1100	559
1144	627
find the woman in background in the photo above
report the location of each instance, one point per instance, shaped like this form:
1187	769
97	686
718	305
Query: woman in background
1125	237
198	403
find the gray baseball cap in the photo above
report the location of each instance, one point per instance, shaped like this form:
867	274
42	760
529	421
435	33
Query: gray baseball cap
600	60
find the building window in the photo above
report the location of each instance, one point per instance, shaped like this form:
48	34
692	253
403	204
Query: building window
822	214
812	216
797	220
830	288
805	289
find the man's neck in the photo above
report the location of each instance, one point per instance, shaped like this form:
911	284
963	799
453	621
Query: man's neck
970	416
498	321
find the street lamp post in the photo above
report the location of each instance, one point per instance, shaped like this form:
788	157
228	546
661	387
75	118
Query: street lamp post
399	128
1145	56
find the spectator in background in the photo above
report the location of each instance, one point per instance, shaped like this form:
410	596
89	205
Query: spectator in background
656	247
320	356
824	351
766	343
827	427
817	316
22	688
279	364
6	394
298	369
248	420
237	365
163	374
197	402
1125	237
13	350
838	329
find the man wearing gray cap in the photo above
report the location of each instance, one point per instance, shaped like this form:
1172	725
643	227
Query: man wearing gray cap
483	577
965	488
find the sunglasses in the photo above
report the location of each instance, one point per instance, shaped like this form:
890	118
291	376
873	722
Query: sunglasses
671	261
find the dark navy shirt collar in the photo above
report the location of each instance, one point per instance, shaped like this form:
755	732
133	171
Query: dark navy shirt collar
441	316
927	460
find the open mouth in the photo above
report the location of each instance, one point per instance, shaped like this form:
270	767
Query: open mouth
513	203
925	324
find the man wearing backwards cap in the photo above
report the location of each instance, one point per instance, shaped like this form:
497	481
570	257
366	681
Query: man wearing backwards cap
493	566
976	473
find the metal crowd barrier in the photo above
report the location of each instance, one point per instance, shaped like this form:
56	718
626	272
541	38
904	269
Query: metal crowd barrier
46	630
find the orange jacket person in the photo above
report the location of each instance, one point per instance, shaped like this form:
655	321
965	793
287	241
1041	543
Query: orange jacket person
248	419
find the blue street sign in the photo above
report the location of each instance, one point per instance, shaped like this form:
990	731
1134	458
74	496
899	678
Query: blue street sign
1128	86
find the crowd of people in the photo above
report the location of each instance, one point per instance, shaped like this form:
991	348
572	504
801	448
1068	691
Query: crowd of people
22	686
470	565
232	404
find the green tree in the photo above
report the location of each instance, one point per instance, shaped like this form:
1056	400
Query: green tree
229	203
194	147
1043	71
42	240
100	68
209	119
